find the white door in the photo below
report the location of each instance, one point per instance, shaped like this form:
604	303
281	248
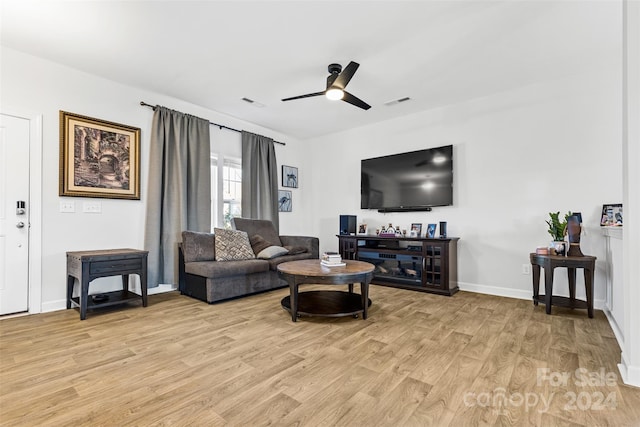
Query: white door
14	214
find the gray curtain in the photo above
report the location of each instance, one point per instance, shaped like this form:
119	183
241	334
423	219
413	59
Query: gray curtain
179	192
259	178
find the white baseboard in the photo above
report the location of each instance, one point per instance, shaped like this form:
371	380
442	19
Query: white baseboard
630	374
498	291
615	327
56	305
494	290
160	289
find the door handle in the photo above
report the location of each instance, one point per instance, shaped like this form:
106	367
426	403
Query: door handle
20	224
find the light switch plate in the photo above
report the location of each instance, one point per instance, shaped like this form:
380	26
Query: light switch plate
91	207
67	206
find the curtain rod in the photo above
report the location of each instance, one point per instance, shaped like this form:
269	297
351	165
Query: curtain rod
153	107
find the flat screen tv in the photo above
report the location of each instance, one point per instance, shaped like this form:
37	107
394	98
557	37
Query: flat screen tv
410	181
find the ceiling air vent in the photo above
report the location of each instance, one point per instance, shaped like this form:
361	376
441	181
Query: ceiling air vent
397	101
252	102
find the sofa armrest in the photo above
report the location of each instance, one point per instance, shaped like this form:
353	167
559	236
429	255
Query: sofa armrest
312	244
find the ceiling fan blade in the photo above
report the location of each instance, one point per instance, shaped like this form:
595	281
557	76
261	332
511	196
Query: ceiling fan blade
309	95
355	101
343	79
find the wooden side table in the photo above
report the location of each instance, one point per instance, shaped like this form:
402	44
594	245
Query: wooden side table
88	265
549	263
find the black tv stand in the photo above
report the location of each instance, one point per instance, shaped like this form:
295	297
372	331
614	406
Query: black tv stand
416	263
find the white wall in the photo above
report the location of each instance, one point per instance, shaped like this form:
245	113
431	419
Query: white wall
549	146
33	84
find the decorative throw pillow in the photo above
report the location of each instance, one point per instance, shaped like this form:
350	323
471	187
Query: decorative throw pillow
295	250
272	252
258	243
232	245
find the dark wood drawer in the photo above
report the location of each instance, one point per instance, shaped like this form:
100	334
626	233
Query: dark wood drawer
117	266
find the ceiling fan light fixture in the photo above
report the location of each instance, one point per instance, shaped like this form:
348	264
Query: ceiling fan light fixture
335	94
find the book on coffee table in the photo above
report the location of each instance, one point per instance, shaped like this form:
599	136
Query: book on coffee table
333	264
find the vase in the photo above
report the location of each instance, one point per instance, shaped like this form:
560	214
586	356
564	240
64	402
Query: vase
573	230
559	246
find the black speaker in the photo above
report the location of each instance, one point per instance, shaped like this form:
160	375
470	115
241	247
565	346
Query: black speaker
347	225
443	229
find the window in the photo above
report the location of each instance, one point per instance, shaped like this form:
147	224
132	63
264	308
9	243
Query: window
226	186
232	196
226	177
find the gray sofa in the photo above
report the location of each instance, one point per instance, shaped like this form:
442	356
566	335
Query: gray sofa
204	278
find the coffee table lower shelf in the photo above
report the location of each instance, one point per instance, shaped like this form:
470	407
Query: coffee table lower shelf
326	303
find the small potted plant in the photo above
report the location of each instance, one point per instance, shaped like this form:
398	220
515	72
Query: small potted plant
557	230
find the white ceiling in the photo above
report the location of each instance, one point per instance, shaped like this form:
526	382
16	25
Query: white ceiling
213	53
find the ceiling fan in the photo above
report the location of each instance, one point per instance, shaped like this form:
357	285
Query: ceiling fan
336	82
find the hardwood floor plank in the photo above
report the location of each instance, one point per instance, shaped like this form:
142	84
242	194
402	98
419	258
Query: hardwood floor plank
447	395
355	410
329	402
524	398
440	357
483	340
537	340
491	381
399	403
564	334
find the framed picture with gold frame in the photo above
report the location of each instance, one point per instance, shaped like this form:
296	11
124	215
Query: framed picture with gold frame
98	158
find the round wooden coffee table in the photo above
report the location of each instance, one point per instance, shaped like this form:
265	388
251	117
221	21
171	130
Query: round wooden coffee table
326	303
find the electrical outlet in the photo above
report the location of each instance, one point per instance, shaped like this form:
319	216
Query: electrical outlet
67	207
526	269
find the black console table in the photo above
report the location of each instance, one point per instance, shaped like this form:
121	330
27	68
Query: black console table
88	265
416	263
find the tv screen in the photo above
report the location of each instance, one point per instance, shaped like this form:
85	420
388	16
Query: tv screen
407	181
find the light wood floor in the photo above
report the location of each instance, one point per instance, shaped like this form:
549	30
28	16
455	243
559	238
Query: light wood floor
419	360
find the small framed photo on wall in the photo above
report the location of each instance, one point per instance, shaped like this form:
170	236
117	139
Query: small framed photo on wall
284	201
431	231
289	176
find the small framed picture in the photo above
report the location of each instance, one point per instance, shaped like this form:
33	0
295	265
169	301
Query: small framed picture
289	176
416	230
284	201
431	231
611	215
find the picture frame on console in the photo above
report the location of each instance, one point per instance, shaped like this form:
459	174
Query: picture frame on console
416	230
431	231
98	158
